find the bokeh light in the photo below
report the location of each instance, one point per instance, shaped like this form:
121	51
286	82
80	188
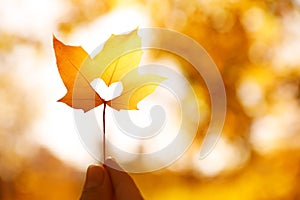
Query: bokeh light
255	45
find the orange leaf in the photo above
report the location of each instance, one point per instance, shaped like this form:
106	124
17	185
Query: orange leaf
80	94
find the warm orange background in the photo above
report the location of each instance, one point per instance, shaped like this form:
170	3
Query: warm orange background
256	46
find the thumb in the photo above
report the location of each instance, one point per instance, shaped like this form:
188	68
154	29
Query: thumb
123	185
97	184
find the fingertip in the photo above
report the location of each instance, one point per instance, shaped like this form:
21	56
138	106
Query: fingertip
94	176
94	167
97	184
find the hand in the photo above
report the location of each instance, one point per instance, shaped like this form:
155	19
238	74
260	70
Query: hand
105	182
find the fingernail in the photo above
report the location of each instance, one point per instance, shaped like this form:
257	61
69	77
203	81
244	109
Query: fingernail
110	158
112	163
95	176
109	161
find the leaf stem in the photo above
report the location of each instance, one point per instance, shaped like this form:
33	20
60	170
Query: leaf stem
103	136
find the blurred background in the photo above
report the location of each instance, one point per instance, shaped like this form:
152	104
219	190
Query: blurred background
256	46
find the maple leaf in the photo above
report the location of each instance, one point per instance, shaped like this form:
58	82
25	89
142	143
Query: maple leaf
121	55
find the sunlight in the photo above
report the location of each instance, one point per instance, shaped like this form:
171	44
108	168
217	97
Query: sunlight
107	92
18	16
227	155
253	19
119	21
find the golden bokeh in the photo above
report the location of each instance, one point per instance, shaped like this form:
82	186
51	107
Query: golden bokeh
255	45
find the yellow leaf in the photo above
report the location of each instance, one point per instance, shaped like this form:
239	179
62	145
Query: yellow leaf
135	87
